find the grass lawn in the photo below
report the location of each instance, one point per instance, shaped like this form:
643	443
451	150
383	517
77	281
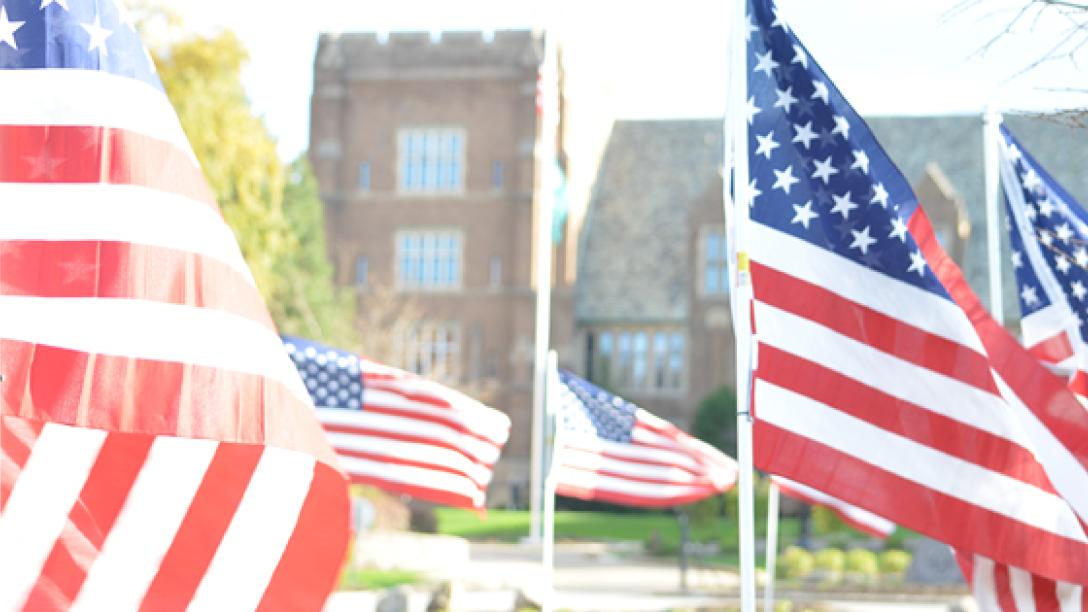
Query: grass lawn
512	525
355	579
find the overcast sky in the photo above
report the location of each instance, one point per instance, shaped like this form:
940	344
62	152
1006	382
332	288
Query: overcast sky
667	59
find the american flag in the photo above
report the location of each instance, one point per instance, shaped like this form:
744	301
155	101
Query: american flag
1047	230
1048	234
401	432
858	518
608	449
158	449
881	380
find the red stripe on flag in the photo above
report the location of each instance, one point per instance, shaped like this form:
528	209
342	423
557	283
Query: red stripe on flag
112	393
74	154
84	269
573	445
309	566
1045	594
900	417
960	524
634	500
92	516
1055	349
871	327
1003	588
698	482
202	529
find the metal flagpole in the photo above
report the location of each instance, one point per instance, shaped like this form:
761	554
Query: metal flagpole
772	546
547	603
736	215
990	122
545	155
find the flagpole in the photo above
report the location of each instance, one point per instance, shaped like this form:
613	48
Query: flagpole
547	603
735	156
990	122
543	277
772	546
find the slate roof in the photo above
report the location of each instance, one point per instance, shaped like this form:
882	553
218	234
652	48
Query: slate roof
635	263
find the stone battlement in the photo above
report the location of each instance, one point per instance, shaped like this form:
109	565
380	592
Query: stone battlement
370	50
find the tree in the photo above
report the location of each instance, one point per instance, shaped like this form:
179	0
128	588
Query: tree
310	304
276	213
716	421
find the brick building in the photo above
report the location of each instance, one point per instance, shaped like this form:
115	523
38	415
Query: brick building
425	152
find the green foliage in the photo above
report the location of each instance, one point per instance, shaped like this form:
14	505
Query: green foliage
862	563
894	562
830	560
202	77
795	563
309	304
276	213
716	421
359	579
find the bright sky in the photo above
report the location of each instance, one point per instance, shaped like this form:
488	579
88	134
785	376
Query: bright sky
667	59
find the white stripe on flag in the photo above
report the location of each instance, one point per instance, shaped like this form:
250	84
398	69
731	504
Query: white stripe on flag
481	450
157	503
983	585
595	462
118	213
40	502
916	462
151	330
572	477
480	421
258	533
46	98
395	450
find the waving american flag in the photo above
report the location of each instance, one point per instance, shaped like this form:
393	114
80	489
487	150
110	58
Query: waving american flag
881	380
401	432
158	449
608	449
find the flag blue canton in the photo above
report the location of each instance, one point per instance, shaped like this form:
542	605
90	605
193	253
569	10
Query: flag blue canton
1058	226
81	34
333	377
816	172
587	409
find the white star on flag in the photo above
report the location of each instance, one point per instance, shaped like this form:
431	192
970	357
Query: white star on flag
1079	290
861	161
862	240
1064	232
799	57
98	35
1061	263
1029	296
765	64
803	214
1017	259
752	110
785	99
880	195
805	135
821	91
767	144
61	3
8	29
899	229
841	127
824	170
843	204
784	179
917	263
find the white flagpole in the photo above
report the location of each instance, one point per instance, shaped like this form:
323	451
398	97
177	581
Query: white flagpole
547	603
736	216
545	154
990	122
772	546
